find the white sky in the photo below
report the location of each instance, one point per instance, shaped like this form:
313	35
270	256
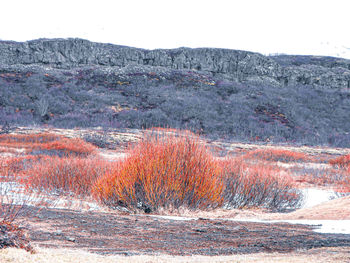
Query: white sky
317	27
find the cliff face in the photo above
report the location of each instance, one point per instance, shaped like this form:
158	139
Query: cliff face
234	64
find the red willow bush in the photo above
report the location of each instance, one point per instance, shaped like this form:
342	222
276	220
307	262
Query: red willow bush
13	236
47	144
258	185
341	161
172	170
342	164
69	175
65	147
10	167
21	140
164	170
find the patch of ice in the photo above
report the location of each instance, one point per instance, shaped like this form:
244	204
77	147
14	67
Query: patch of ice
313	196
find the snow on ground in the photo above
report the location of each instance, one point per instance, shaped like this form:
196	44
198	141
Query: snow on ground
14	193
313	196
112	155
179	218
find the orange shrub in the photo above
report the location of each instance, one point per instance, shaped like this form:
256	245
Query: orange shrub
70	175
21	139
343	165
11	166
164	170
66	146
342	161
47	144
276	155
258	185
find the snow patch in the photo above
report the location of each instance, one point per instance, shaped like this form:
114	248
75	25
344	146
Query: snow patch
313	196
179	218
14	193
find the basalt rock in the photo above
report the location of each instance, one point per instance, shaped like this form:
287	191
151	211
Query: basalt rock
233	64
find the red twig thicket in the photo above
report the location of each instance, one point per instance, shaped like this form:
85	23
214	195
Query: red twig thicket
342	164
47	144
166	169
172	170
37	167
68	175
258	185
13	236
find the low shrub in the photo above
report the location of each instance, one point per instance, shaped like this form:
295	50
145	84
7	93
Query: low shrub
276	155
341	161
65	147
12	166
47	144
13	236
164	170
69	175
258	185
22	139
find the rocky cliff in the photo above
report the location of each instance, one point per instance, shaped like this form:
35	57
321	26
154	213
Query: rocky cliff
234	64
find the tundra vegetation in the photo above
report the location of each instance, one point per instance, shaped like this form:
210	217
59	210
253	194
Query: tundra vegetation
165	170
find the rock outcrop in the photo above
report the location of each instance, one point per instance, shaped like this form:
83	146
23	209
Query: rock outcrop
233	64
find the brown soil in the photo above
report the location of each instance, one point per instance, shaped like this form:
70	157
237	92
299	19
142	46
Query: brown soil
116	233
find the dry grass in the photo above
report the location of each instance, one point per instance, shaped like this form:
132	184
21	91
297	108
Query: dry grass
12	255
276	155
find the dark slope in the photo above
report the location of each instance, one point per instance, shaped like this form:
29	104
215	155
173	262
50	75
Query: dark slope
230	93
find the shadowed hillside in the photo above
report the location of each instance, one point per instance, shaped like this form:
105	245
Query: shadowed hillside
228	93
